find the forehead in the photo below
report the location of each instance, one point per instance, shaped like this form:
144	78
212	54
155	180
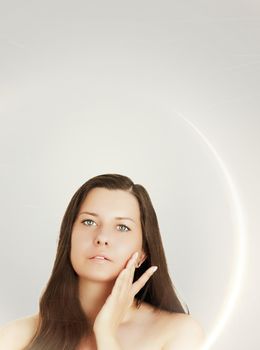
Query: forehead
116	202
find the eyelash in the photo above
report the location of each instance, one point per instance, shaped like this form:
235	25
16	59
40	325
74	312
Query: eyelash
128	229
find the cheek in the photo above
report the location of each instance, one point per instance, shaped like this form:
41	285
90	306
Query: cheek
126	251
135	243
79	239
78	249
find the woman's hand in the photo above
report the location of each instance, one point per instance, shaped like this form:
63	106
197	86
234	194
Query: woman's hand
124	290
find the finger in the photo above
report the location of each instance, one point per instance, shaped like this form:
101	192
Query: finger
120	281
142	280
129	281
129	276
132	267
132	260
125	278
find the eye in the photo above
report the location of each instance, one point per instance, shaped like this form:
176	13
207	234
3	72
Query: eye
128	229
87	220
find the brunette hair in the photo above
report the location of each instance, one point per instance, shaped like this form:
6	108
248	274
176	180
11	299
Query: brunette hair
62	321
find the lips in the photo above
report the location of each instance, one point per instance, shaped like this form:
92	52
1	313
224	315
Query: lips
100	256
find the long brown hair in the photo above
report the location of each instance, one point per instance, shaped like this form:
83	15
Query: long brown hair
62	321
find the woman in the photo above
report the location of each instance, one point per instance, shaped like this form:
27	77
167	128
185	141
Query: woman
99	295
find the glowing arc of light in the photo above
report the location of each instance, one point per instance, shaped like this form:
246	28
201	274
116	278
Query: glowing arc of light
240	249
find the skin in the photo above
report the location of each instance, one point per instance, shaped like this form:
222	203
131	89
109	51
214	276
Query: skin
105	234
116	305
106	290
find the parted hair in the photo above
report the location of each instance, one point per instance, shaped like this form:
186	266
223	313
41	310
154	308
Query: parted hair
62	321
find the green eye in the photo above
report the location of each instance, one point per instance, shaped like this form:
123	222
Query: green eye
128	229
87	220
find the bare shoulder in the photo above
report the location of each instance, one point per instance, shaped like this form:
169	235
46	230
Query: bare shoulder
184	332
16	334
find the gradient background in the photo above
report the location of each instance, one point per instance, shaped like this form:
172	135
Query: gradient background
101	87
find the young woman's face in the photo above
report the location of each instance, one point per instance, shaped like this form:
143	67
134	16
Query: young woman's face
103	232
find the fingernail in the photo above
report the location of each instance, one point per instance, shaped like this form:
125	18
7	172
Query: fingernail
135	255
154	269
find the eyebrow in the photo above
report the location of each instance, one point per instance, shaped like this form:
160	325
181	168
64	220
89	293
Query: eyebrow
117	217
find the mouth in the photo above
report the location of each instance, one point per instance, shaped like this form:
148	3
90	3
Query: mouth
100	257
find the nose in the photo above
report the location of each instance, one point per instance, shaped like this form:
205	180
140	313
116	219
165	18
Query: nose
101	240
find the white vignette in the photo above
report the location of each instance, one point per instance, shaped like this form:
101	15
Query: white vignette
239	263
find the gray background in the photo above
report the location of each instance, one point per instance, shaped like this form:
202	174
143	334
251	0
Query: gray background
90	88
